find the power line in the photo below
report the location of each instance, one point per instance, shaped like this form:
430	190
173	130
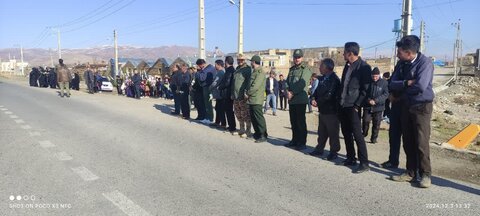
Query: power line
321	4
101	18
88	15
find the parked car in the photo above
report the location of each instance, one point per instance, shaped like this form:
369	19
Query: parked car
106	85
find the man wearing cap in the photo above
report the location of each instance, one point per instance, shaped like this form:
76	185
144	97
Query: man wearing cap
377	94
255	97
297	88
206	75
240	82
356	78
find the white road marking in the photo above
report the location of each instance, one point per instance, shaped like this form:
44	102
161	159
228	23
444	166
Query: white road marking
8	112
4	109
13	116
85	174
125	204
26	127
1	106
19	121
34	133
63	156
46	144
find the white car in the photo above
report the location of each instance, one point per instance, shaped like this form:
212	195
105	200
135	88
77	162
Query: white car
106	85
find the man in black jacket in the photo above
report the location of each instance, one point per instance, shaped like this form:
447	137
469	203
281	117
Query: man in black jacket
282	89
225	88
356	77
325	98
377	94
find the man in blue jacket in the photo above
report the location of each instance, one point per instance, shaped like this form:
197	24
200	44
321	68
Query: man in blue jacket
413	77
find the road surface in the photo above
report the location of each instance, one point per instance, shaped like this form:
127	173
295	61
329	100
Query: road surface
111	155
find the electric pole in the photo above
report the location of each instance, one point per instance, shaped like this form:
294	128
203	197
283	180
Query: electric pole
59	46
240	26
456	50
422	36
406	18
21	58
115	44
201	29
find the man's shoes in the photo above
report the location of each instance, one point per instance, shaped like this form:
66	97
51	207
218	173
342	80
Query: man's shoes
291	144
404	177
425	182
362	168
373	141
316	153
261	139
332	156
349	162
61	95
388	165
274	114
68	95
300	147
234	132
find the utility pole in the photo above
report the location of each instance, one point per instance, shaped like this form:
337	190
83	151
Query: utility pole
59	45
116	52
201	29
21	58
240	26
422	36
51	57
456	50
406	18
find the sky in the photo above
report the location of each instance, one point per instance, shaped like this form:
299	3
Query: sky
267	24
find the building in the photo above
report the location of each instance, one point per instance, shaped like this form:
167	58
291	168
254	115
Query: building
12	66
159	67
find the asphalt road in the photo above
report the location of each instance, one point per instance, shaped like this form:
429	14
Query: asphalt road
109	155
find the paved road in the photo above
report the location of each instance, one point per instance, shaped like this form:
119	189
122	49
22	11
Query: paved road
109	155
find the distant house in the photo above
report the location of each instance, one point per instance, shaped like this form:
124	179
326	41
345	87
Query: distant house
160	67
143	67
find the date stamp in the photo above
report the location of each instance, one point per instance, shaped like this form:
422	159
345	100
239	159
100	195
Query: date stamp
447	205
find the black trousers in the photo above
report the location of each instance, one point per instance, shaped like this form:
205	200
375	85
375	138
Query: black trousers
184	104
283	102
220	112
177	102
228	108
416	137
328	128
298	123
352	130
137	91
395	133
258	121
376	119
199	104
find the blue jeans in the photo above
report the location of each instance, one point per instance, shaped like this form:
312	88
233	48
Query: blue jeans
273	98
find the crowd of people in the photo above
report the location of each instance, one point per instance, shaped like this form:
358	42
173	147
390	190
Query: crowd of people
243	94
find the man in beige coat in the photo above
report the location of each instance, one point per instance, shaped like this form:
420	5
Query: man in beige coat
63	77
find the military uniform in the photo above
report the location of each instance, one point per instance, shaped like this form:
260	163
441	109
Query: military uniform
256	97
297	83
241	77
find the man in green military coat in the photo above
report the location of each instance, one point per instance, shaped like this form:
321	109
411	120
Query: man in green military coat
297	88
240	82
255	95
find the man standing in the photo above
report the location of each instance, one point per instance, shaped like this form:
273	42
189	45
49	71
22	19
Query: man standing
119	82
175	87
63	78
255	97
394	117
413	76
220	120
206	74
241	77
356	77
184	91
297	88
282	87
271	89
89	78
137	80
325	97
377	94
225	88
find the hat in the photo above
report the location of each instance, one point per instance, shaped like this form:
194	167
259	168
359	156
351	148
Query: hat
256	58
375	71
240	56
298	53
